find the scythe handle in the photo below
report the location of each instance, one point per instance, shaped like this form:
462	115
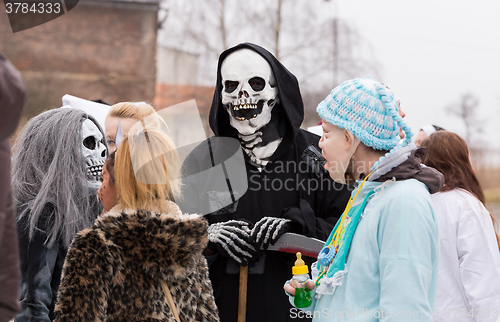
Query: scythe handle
242	297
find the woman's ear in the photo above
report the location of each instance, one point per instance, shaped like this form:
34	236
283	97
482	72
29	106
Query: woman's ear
349	139
351	142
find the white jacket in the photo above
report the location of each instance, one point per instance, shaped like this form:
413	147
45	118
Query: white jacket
469	265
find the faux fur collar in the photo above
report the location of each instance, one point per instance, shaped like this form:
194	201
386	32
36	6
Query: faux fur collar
161	243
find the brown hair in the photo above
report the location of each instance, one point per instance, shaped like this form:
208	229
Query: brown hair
146	170
448	153
110	167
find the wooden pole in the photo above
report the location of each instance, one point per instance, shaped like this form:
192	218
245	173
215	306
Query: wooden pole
242	299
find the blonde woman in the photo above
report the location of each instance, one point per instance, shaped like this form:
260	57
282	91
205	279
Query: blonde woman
126	113
144	250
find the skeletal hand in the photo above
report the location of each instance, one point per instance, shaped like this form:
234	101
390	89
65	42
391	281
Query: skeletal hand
268	230
232	239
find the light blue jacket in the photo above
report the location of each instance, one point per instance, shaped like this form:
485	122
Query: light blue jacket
392	263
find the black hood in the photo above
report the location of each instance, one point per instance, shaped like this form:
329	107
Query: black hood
290	108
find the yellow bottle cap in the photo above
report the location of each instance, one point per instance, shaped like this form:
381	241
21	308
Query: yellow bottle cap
300	267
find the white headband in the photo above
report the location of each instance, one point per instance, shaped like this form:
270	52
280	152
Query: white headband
428	129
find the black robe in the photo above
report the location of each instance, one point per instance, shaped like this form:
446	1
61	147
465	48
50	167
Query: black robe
288	187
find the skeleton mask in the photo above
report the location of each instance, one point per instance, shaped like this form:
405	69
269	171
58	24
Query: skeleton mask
249	90
94	152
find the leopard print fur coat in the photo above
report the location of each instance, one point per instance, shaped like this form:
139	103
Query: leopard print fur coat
113	270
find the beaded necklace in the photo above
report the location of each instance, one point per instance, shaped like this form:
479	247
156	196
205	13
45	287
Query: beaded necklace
328	253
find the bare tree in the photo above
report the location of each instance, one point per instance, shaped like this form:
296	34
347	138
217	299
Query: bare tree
467	110
203	27
307	36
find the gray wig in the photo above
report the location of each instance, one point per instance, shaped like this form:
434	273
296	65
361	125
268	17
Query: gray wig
49	167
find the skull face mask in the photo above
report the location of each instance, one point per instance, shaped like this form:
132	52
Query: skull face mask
94	152
249	90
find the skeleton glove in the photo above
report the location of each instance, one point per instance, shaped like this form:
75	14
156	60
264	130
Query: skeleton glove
269	230
232	239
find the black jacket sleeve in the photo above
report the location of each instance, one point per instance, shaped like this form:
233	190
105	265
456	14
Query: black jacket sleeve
37	268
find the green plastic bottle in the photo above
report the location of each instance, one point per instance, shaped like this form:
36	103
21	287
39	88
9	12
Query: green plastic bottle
300	273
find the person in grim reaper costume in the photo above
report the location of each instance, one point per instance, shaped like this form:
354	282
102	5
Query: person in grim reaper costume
257	102
56	169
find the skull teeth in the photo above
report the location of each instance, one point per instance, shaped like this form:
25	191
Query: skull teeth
92	162
95	171
245	107
244	119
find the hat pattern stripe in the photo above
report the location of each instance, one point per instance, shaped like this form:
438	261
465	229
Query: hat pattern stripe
369	110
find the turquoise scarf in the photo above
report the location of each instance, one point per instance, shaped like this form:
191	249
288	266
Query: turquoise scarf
338	263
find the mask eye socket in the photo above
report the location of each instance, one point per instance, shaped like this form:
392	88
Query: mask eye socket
90	143
257	83
230	86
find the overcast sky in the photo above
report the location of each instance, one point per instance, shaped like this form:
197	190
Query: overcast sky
432	52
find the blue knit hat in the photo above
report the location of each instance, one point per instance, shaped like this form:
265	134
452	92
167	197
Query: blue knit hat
367	109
